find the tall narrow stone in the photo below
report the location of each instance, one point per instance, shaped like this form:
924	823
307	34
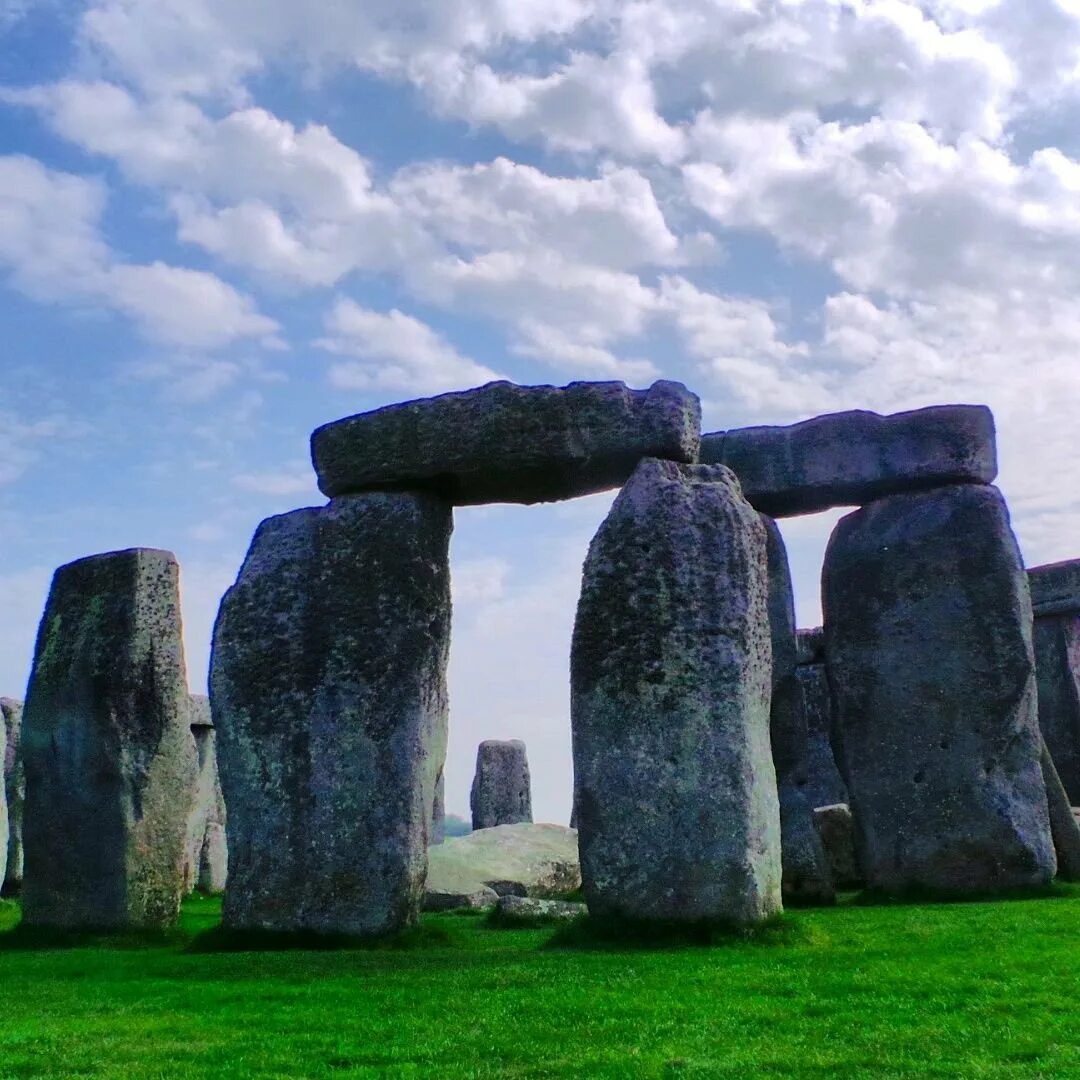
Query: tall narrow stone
207	856
1064	827
107	749
501	790
15	786
671	679
928	643
1057	662
824	784
438	811
806	875
328	684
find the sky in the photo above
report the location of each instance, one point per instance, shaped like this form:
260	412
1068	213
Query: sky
226	222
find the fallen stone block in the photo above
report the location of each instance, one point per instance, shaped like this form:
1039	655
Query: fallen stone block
530	911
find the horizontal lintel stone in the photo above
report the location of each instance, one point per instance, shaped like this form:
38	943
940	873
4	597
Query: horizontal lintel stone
1055	588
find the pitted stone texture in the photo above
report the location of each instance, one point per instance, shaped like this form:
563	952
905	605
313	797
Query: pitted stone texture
15	786
1057	666
518	860
501	791
851	458
528	910
810	646
1063	825
806	876
438	810
107	748
328	683
824	784
837	831
507	443
671	678
928	639
207	860
1055	588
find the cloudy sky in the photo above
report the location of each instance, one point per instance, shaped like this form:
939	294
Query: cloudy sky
224	222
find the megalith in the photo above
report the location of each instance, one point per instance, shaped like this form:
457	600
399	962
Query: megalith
207	861
328	686
824	784
806	875
501	792
929	656
438	811
671	677
15	787
107	748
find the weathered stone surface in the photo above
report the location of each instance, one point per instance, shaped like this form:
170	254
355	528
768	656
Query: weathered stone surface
806	876
837	831
671	679
851	458
824	784
928	640
328	682
1055	588
528	910
15	786
1057	666
438	810
810	646
501	792
507	443
108	752
1063	826
521	860
207	860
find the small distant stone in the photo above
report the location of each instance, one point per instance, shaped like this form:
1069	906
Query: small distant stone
528	909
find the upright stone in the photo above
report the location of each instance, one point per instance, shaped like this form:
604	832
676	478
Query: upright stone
207	861
806	874
824	784
671	676
928	641
850	458
328	684
501	792
15	785
107	748
1064	827
507	443
438	811
1057	663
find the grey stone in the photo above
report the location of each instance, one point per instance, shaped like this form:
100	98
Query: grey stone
109	756
328	683
806	876
810	646
851	458
928	643
507	443
522	860
438	810
837	831
15	786
207	863
501	792
1057	666
824	784
671	679
1063	826
528	910
1055	588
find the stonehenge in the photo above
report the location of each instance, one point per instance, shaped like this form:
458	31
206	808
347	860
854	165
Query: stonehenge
107	748
501	790
824	785
15	791
670	682
207	863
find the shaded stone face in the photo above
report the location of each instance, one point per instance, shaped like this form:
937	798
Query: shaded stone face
1057	665
671	678
15	785
507	443
207	861
1055	588
438	810
810	646
850	458
328	684
806	875
501	791
837	831
108	752
824	784
928	643
1063	825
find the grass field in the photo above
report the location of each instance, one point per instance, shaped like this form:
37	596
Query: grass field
980	989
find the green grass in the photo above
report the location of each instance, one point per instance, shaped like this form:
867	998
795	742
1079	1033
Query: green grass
980	989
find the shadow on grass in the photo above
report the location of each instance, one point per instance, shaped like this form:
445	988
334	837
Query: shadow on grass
24	938
920	896
611	934
222	939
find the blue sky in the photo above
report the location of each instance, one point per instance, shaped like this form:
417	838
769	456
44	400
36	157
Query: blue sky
225	223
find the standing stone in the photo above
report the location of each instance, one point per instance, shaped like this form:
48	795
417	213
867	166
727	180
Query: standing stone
671	676
837	831
15	785
207	861
109	756
1057	665
824	785
328	683
1063	825
806	876
438	810
928	642
501	792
